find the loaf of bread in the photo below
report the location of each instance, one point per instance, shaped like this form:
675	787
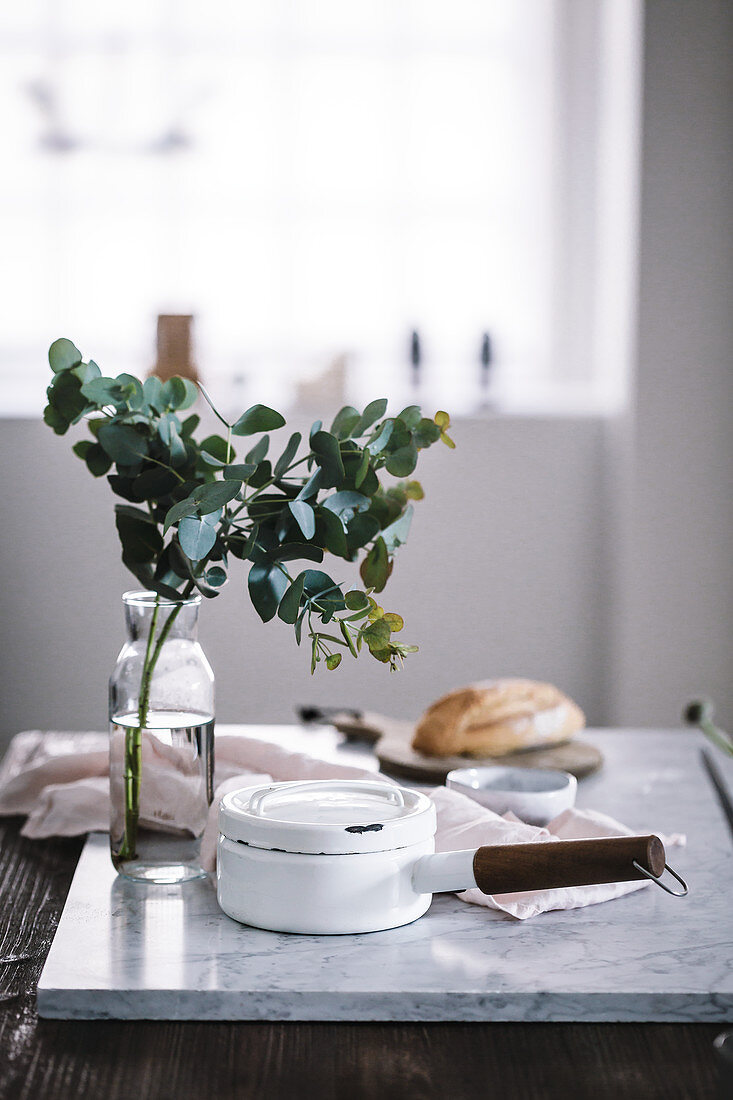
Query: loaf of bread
497	717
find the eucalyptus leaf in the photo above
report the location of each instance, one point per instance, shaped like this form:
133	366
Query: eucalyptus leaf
216	576
344	422
290	604
170	567
396	534
414	491
330	532
141	540
426	433
296	551
348	637
132	390
205	499
262	474
189	425
377	445
55	420
215	451
85	372
65	394
312	485
63	355
360	530
267	585
104	391
356	600
304	516
328	457
394	622
196	537
319	586
191	394
376	635
82	447
375	567
259	450
346	504
98	463
363	470
178	393
134	513
374	411
153	393
154	483
178	511
257	419
165	423
177	447
123	443
410	416
402	462
288	455
240	471
215	494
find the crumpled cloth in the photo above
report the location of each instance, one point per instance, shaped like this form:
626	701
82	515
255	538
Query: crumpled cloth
60	782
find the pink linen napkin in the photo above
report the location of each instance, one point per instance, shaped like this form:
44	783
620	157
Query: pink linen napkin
61	783
462	823
61	780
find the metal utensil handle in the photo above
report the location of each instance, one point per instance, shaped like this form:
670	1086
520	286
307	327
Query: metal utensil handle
511	868
663	885
356	786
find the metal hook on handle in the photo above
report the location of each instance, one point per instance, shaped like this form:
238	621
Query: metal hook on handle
657	880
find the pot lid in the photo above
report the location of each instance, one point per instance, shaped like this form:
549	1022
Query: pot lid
331	816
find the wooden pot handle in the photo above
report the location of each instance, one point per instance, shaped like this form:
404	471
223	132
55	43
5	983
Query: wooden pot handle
511	868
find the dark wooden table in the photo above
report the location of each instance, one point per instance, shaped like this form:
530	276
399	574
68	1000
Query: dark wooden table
116	1060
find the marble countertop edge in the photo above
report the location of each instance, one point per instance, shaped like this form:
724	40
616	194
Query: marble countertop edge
425	1007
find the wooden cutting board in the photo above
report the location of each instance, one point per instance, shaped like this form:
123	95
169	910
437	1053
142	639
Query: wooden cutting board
392	740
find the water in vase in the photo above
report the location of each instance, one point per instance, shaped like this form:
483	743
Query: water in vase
161	787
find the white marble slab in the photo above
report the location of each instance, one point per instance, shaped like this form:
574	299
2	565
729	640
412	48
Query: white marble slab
130	951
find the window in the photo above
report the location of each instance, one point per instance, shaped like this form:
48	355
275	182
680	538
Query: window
313	180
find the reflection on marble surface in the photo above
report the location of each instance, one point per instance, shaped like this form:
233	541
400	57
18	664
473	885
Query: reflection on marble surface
129	950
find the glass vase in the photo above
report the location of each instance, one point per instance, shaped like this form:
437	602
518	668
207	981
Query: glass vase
161	763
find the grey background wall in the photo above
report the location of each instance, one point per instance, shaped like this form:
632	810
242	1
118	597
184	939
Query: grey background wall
501	577
595	554
674	588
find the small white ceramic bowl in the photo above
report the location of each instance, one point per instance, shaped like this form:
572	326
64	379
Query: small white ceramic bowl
533	794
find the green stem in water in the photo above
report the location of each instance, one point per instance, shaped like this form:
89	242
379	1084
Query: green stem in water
133	737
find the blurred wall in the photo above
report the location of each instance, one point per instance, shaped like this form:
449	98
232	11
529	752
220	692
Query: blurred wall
672	631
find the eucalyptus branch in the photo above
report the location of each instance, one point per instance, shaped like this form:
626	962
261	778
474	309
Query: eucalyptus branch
213	506
213	407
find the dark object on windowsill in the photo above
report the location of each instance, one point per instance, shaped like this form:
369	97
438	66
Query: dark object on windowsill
487	358
415	357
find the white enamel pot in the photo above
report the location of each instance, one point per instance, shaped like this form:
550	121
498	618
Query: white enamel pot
338	856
